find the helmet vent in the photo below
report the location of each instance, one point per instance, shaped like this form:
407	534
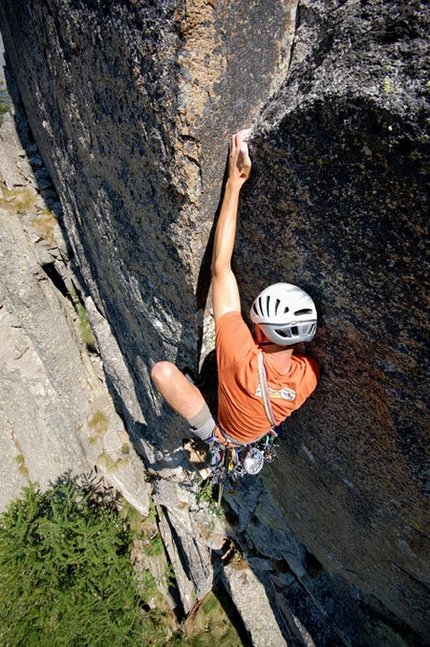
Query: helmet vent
285	313
283	333
260	304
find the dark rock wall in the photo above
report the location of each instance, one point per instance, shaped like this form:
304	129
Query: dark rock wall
341	178
131	104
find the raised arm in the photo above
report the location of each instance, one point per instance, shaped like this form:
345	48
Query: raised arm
225	292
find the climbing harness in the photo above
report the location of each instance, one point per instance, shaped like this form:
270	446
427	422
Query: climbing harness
235	462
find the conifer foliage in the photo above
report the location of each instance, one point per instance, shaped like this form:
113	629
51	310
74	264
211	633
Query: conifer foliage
65	572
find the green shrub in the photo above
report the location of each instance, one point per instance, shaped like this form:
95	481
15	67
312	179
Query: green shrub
209	626
65	572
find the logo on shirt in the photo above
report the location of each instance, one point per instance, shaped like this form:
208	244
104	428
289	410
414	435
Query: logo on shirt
283	394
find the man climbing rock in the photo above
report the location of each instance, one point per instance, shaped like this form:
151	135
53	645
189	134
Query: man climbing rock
262	380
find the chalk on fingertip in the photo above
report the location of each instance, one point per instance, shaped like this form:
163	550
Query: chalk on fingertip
246	134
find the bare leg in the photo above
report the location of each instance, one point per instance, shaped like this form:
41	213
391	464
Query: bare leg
183	396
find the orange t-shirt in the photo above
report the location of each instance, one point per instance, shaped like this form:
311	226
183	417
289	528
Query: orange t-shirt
240	406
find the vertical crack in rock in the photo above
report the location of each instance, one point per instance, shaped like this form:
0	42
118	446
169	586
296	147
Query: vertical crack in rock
132	105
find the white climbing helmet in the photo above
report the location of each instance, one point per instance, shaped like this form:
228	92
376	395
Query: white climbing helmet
285	313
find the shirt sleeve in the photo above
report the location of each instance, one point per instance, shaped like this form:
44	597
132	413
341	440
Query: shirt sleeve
309	379
234	340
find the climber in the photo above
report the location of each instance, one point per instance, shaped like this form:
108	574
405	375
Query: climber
251	400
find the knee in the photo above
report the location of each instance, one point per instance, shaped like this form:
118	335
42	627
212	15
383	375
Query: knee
162	373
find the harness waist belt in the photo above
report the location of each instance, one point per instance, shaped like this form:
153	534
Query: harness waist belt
236	442
229	439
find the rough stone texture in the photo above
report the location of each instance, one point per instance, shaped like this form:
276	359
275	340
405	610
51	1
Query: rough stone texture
119	100
196	541
188	554
248	594
50	387
342	172
131	105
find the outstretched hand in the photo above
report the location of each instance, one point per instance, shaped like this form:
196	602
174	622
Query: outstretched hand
225	291
239	163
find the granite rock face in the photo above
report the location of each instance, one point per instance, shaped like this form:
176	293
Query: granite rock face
119	100
342	172
57	416
131	105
